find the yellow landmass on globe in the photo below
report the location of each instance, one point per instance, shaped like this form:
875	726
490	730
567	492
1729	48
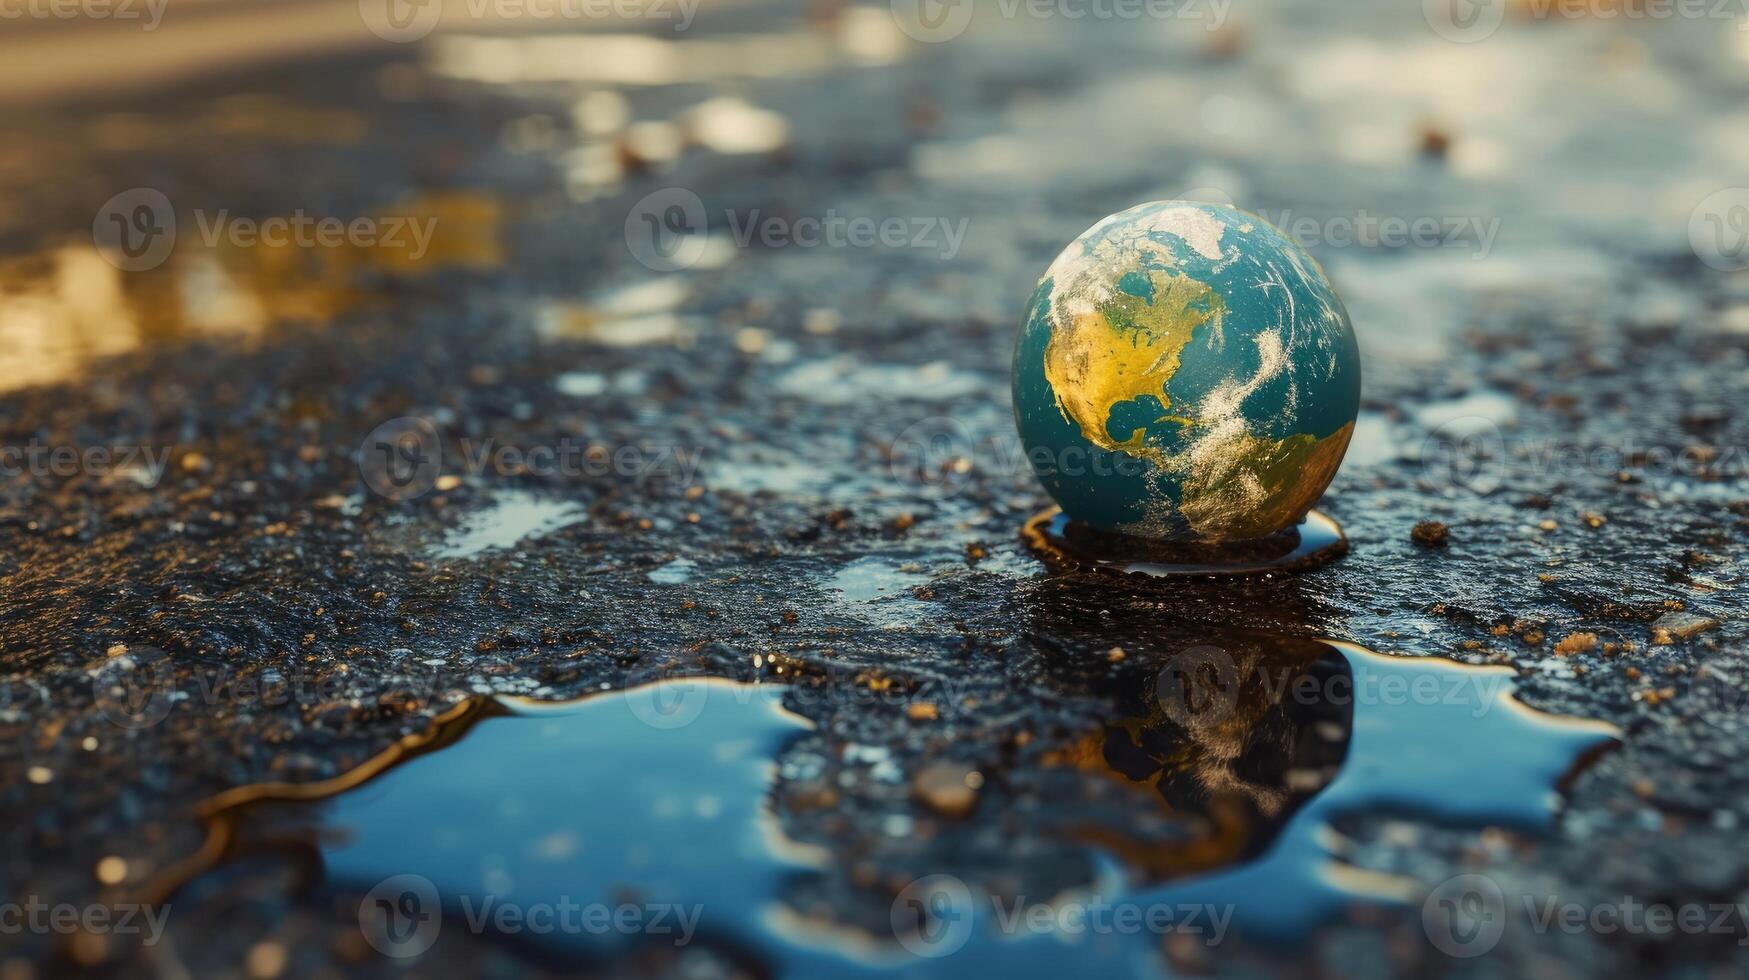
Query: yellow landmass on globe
1123	350
1252	485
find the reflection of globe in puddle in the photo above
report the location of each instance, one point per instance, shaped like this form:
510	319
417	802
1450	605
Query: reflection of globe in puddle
509	804
1228	742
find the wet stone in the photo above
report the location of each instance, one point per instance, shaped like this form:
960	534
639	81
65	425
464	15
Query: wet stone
1674	627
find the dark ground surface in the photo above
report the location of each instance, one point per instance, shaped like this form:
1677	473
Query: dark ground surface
262	554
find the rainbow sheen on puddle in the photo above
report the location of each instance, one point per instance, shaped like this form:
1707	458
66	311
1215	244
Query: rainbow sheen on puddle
1186	373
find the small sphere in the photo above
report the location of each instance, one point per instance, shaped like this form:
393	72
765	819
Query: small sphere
1186	373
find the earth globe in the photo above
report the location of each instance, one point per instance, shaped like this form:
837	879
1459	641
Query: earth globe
1186	373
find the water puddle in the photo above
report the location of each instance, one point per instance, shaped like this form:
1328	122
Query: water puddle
1315	541
514	516
592	830
677	572
881	589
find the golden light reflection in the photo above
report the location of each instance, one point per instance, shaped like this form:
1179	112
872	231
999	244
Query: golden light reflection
63	309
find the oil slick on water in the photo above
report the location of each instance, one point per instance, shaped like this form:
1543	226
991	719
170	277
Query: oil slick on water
657	800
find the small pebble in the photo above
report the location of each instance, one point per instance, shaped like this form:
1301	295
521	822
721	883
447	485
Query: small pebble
1430	534
1576	643
948	788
